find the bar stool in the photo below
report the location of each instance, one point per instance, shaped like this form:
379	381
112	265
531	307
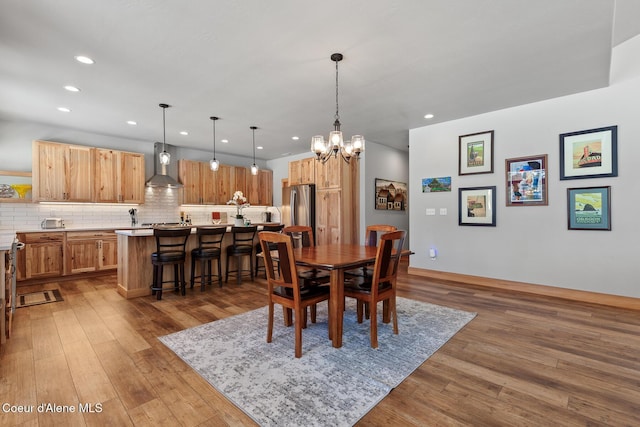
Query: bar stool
276	229
209	248
242	246
170	250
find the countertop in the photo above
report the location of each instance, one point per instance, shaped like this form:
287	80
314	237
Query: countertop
6	241
143	232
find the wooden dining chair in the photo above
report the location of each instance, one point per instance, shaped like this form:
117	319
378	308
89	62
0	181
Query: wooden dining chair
286	290
381	286
372	237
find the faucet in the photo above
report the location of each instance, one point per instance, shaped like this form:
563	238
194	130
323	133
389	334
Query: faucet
133	213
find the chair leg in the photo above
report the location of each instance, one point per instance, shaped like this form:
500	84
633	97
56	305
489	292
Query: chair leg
359	305
176	277
270	323
238	271
392	307
386	318
203	273
183	286
298	326
226	278
193	270
160	274
287	315
313	310
219	261
373	316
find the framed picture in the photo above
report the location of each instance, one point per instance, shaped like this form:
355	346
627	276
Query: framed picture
589	208
436	185
527	181
589	153
475	153
476	206
391	195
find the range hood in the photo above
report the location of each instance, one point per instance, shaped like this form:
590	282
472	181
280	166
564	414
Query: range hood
163	175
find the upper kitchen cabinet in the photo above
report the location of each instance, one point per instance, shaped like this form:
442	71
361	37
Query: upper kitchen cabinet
199	183
332	173
260	188
302	171
119	176
62	172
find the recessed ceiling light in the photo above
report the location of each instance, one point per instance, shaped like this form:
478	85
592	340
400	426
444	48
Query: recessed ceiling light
259	147
428	116
64	109
84	59
132	122
184	132
225	141
72	88
295	138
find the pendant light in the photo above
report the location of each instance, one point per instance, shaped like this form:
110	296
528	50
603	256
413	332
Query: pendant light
214	163
165	158
254	167
324	150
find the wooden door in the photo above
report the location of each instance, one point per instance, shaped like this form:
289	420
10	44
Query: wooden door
209	187
43	260
82	256
108	254
329	217
189	175
294	173
131	178
106	176
79	182
49	176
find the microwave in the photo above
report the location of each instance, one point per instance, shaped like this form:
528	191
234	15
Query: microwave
52	223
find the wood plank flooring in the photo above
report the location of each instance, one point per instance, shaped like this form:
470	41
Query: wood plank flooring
523	361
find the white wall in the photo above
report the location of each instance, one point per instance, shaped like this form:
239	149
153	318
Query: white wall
380	161
533	244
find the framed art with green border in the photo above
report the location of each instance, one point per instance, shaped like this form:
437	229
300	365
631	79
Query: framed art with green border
589	208
589	153
476	206
475	152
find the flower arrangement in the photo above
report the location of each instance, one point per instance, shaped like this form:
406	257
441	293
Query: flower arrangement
240	201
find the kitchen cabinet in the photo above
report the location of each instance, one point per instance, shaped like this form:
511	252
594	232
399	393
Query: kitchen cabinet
119	176
260	188
42	256
190	178
62	172
302	171
88	251
337	202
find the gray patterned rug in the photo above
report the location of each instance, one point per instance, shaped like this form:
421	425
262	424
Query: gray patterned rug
327	386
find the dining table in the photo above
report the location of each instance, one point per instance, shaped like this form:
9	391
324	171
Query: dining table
337	259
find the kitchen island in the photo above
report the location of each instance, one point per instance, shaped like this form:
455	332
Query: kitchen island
135	246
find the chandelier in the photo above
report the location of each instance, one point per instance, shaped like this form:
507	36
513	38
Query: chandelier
324	150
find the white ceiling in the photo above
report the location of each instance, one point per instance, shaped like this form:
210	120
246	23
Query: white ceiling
266	63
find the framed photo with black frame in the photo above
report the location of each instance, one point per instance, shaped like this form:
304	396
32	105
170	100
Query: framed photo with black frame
527	181
475	153
589	153
477	206
589	208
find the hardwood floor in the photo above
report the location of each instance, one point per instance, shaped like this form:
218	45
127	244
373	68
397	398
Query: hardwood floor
523	361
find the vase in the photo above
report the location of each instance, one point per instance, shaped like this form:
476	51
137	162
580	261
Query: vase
238	222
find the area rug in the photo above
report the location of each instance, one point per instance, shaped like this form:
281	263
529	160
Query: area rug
36	298
327	386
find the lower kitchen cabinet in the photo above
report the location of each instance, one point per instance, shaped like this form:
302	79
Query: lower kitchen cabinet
88	251
61	253
42	256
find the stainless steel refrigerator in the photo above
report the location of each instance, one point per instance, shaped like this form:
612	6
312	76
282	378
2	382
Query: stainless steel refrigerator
299	205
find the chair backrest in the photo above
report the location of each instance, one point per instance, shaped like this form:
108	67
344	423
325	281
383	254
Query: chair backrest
243	236
385	269
283	246
210	237
301	235
374	232
276	228
172	239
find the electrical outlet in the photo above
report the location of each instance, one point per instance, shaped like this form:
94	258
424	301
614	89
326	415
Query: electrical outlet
433	253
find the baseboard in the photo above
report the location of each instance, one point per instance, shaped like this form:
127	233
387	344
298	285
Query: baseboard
529	288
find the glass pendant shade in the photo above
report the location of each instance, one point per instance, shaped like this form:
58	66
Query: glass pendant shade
214	164
254	169
357	141
165	158
318	145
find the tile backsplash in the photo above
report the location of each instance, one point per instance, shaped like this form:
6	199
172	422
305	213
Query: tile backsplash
161	205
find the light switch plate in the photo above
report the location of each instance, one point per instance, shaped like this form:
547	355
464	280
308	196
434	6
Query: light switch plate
443	211
431	211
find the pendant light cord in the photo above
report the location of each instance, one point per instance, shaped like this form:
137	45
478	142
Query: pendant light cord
337	116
